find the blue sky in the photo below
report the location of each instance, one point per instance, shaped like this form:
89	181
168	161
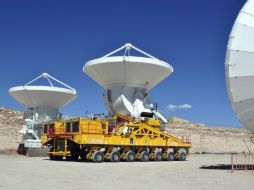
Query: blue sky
58	37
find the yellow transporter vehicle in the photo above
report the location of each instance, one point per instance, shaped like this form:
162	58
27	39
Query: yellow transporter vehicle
113	139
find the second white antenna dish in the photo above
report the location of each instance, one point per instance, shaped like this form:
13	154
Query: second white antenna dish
49	97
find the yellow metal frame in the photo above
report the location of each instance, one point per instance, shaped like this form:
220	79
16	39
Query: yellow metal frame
96	133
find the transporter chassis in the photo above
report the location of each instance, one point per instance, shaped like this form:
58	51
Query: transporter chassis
115	139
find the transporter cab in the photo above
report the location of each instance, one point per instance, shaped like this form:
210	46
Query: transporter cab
112	139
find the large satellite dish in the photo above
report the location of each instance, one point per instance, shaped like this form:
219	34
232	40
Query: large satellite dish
127	79
140	72
42	103
49	97
240	66
42	96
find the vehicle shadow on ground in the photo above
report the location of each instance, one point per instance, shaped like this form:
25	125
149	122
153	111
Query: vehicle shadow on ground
67	161
217	167
109	162
81	161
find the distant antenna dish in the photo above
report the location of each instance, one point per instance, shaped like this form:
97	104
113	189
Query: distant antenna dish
240	66
42	103
49	97
127	79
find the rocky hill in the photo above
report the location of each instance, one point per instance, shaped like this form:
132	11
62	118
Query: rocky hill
10	123
214	139
204	139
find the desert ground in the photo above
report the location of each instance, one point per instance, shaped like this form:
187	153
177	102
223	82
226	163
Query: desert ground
198	172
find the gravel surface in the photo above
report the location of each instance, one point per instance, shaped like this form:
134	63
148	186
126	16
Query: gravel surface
19	172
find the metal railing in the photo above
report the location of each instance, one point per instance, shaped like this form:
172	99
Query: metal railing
185	138
242	162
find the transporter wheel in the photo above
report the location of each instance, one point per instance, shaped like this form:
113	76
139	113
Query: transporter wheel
130	156
75	156
83	154
170	156
75	152
144	156
115	156
68	158
98	157
51	156
182	156
157	156
58	157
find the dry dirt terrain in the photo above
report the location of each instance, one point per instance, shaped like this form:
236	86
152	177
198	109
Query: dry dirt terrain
207	172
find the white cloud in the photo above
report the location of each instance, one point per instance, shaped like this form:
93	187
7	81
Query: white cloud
178	107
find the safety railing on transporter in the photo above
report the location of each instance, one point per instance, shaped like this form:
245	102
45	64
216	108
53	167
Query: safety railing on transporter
185	138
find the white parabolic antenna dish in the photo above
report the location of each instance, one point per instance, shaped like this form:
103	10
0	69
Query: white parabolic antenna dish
127	71
127	79
240	66
49	97
42	103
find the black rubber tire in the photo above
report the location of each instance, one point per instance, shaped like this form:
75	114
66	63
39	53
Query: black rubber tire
98	157
68	158
130	156
182	156
58	158
51	156
144	157
75	157
75	151
170	156
83	154
157	156
115	156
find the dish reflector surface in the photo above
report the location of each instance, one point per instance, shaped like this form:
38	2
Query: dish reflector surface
42	96
129	71
49	97
127	79
240	66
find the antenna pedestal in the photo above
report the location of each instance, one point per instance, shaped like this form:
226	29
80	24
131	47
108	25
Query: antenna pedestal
32	129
